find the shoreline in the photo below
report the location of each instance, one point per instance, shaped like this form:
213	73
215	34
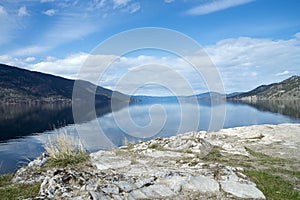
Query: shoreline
226	164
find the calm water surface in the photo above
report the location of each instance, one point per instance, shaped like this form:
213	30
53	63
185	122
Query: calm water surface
25	129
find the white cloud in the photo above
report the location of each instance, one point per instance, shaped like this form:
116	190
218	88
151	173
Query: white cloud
282	73
132	8
297	35
216	5
100	4
63	31
50	12
66	30
168	1
8	26
67	67
23	11
30	59
245	63
30	50
120	3
2	12
45	1
8	60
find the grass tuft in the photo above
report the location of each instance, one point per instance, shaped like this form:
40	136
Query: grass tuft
273	186
9	190
65	149
265	158
156	147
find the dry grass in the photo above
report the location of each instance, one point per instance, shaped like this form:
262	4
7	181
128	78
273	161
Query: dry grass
65	149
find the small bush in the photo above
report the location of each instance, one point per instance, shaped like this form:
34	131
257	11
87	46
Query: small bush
65	149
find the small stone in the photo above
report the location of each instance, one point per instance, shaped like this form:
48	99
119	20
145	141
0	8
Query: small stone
78	198
125	186
137	194
110	189
145	182
99	196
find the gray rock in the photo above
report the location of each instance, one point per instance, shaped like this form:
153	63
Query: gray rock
137	194
38	161
99	196
242	190
145	182
78	198
203	184
175	183
108	160
110	189
126	186
161	190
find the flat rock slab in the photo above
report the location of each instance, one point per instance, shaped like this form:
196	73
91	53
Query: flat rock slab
242	190
108	160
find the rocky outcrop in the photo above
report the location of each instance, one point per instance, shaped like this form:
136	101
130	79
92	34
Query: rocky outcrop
179	167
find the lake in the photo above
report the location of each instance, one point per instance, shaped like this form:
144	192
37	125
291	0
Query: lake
25	129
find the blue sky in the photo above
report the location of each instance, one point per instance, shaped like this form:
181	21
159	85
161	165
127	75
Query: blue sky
251	42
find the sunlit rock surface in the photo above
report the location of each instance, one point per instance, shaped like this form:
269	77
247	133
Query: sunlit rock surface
185	166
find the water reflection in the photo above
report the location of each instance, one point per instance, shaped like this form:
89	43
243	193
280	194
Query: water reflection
20	120
289	108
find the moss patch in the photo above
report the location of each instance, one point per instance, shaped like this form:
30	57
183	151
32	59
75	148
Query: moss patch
156	147
9	190
277	178
273	186
263	158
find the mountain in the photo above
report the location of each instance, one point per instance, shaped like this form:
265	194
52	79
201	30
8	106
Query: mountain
203	98
24	86
285	90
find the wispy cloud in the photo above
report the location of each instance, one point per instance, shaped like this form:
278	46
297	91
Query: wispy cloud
132	8
3	12
66	29
50	12
168	1
282	73
113	6
45	1
63	30
120	3
215	6
23	11
30	50
245	62
8	25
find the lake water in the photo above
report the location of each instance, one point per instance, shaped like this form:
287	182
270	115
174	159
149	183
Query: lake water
25	129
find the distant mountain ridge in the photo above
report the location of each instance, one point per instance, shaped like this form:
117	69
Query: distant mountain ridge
285	90
23	86
288	89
